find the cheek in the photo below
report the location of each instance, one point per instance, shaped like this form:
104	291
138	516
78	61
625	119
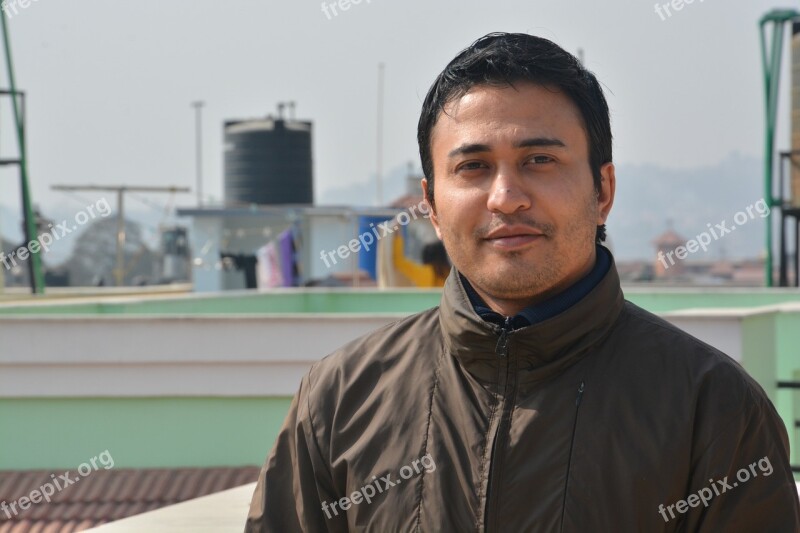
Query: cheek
460	214
566	199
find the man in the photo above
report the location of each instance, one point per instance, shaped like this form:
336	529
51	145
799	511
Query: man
534	398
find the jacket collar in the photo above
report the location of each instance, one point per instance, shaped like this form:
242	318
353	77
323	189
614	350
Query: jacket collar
541	349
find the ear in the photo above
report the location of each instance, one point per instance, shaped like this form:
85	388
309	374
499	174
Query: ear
605	197
431	209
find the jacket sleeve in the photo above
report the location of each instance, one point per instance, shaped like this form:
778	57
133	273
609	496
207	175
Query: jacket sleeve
741	480
295	481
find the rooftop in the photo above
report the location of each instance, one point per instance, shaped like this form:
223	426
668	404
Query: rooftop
107	495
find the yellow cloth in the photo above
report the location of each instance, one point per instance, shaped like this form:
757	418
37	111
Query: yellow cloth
420	275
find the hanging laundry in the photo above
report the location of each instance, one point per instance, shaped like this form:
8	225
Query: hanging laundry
288	258
269	266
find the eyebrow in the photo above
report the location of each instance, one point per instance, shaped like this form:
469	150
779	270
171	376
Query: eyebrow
473	148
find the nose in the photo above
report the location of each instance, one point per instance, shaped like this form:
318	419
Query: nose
507	193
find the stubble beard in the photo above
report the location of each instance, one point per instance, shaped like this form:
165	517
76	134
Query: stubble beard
515	274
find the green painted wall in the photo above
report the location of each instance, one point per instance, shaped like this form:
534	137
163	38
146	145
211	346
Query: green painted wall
62	433
760	351
278	302
788	369
661	302
370	301
761	359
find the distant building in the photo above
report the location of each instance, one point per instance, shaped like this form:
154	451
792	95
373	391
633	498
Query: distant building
666	264
669	268
223	238
291	245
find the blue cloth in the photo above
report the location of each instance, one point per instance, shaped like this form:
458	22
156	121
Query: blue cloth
550	307
368	255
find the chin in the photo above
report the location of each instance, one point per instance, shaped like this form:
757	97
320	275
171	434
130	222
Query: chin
509	281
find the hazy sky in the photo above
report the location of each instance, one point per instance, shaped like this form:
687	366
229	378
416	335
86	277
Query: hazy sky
110	83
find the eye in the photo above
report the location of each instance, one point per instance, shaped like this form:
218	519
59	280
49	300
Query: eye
470	165
541	159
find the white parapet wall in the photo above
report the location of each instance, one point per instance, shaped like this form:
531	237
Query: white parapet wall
129	355
224	355
223	512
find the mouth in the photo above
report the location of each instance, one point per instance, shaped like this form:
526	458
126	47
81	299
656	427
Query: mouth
511	238
514	241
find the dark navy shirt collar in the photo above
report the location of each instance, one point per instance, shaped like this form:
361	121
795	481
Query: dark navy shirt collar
550	307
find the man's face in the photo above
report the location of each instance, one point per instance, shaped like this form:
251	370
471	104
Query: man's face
515	202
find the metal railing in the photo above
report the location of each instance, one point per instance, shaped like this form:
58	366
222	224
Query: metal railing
796	386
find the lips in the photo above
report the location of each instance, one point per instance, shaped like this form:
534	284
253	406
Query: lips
510	237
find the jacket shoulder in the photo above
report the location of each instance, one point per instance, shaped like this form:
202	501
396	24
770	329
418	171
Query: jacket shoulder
660	338
355	390
401	350
717	386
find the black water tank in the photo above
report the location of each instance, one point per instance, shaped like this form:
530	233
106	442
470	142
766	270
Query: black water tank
268	161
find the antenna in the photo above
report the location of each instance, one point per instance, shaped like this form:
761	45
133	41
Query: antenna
379	137
198	107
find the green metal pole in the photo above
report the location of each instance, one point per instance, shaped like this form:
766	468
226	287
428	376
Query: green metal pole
768	63
37	278
772	73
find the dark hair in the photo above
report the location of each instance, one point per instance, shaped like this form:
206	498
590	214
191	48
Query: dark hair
502	59
434	253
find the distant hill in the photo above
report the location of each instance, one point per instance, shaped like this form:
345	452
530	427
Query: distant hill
364	193
647	196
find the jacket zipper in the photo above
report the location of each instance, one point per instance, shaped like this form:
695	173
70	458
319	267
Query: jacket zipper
578	399
507	384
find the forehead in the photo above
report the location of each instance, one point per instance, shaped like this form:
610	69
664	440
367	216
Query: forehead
496	115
